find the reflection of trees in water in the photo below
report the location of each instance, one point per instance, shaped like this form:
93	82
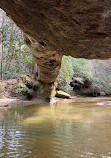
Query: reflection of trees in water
10	136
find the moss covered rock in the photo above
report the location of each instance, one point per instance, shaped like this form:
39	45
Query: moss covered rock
21	91
25	79
24	93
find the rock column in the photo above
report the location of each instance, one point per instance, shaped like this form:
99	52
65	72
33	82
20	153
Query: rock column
49	64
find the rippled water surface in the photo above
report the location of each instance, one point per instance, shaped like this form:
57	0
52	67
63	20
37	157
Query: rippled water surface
66	129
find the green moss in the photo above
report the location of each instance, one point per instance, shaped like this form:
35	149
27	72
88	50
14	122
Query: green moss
25	79
23	93
17	86
21	85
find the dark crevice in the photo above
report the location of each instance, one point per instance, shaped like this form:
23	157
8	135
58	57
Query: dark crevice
76	21
27	41
100	33
43	43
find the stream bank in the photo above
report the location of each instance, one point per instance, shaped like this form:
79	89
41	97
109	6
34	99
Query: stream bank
7	100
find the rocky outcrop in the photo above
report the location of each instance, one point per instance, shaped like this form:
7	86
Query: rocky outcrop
48	63
82	86
52	28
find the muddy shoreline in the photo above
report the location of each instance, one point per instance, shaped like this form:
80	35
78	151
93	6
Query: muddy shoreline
9	102
14	102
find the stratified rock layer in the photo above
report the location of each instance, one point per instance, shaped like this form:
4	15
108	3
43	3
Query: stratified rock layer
80	28
49	63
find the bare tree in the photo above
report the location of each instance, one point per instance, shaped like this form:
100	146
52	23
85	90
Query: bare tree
2	47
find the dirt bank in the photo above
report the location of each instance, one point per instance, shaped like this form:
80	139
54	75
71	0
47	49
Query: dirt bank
6	100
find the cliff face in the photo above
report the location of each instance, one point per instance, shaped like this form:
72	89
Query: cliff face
80	28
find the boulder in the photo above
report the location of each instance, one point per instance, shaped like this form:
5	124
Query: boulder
91	91
62	94
80	82
27	81
21	91
83	86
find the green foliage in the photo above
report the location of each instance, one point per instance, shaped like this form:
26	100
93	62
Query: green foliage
66	73
90	69
17	58
82	68
73	67
22	90
103	83
25	79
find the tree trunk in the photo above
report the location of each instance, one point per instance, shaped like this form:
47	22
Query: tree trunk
1	61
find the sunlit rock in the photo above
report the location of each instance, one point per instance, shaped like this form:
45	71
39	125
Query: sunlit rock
62	94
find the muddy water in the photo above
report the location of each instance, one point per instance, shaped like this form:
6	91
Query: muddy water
80	128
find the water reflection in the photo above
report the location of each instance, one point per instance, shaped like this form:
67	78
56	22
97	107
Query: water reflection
71	130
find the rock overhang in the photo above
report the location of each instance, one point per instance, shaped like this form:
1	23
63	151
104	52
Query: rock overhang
80	28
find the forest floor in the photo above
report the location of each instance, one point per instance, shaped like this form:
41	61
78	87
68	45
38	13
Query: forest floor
6	100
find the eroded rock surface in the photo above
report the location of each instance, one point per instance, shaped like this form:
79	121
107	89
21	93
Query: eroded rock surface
48	62
80	28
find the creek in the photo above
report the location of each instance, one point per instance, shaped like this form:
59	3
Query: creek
79	128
